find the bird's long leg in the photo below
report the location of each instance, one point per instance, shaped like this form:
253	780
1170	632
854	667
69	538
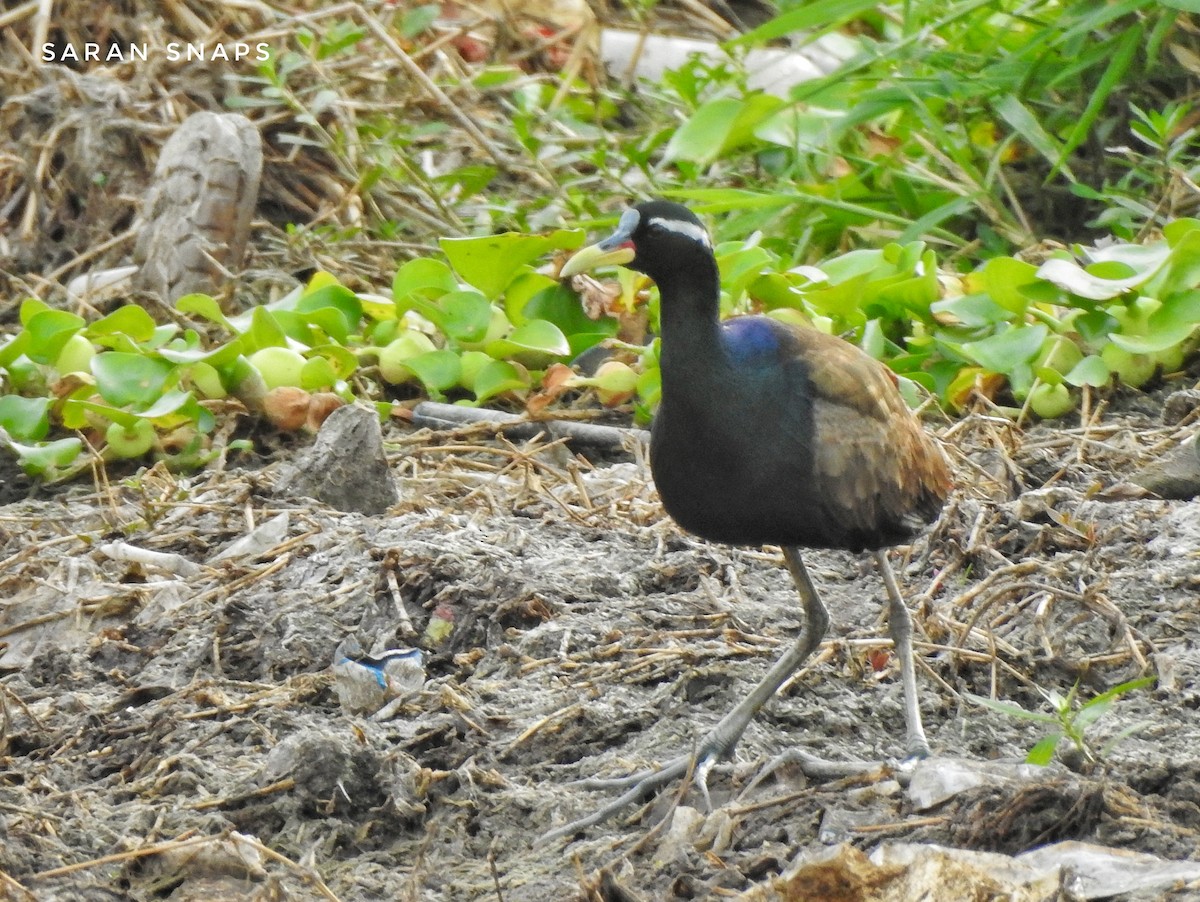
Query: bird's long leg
900	626
725	735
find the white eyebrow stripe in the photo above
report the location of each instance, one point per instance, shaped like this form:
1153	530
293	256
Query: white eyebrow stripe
681	227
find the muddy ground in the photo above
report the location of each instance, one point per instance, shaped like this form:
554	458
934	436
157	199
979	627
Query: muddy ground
176	735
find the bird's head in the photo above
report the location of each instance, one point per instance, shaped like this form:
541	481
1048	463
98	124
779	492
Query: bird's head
655	238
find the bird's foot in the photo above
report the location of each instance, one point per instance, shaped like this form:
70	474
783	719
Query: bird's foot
639	785
811	766
825	769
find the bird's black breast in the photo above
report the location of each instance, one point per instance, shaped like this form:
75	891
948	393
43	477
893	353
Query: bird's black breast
731	448
759	446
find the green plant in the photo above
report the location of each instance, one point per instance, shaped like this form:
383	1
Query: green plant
1070	720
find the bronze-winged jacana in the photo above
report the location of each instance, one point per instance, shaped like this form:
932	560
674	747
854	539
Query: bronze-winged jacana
771	434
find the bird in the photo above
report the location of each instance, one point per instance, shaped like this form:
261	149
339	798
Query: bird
769	433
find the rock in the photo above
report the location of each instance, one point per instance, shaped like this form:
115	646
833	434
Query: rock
345	467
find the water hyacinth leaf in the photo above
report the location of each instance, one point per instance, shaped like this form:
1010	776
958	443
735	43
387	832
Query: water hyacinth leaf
436	370
521	290
129	380
536	341
1091	370
470	363
1003	352
188	350
489	263
176	407
465	315
496	377
1181	270
343	360
48	331
330	322
423	277
1074	279
31	307
970	310
1178	229
265	331
841	300
859	263
206	307
47	459
561	306
130	320
317	374
649	386
25	419
741	265
14	348
331	295
1003	278
1159	340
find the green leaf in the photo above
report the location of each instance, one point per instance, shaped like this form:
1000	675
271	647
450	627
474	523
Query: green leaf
1012	709
522	290
1091	370
264	332
1043	751
14	348
31	307
1177	229
205	306
533	342
1073	278
343	361
1004	277
337	299
1120	60
562	307
1026	124
317	374
48	331
491	262
175	407
1119	690
47	459
437	370
822	15
423	277
718	127
26	419
130	320
125	380
465	315
1002	352
497	377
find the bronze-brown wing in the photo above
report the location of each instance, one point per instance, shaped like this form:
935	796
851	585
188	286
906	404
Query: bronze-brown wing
880	474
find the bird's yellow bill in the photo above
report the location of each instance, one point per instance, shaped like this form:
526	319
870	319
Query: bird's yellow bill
595	256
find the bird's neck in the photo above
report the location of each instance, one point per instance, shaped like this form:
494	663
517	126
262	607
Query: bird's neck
689	317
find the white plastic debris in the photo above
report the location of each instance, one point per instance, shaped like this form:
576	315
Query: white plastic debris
172	563
770	69
365	683
934	780
262	538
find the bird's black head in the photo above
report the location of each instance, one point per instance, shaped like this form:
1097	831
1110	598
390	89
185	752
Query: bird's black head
657	237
